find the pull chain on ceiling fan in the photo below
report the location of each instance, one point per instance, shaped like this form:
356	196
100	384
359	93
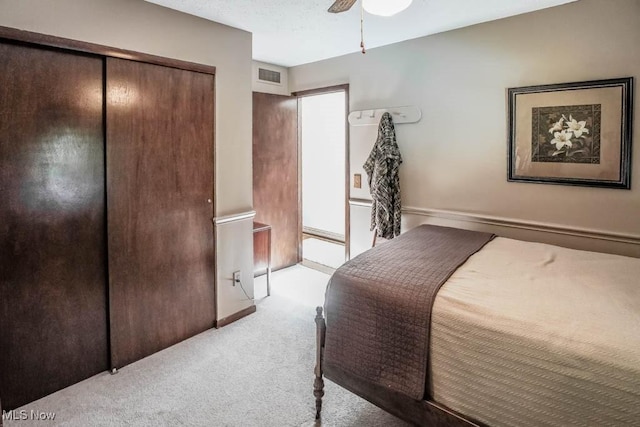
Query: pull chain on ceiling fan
362	30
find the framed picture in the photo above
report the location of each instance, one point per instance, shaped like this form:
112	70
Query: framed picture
572	133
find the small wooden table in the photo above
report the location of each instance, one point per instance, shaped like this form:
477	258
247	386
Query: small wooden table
262	252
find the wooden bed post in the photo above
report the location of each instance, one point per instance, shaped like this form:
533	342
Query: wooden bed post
318	384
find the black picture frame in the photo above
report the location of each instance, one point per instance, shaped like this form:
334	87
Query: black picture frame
575	151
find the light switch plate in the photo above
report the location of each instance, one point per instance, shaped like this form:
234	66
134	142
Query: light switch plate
357	180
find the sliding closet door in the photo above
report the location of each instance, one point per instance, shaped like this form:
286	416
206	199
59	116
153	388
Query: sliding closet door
53	317
159	196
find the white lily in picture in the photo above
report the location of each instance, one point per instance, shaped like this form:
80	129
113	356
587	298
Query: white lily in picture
562	139
577	127
557	126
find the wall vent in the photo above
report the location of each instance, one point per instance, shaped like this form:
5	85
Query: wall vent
269	76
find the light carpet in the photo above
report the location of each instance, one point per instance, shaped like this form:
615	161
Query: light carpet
323	252
257	371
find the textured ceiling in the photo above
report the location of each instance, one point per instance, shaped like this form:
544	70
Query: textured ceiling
293	32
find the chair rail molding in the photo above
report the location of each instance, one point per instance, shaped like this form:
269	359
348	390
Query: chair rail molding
627	238
240	216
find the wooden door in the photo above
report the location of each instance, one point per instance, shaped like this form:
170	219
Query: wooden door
159	195
275	174
53	294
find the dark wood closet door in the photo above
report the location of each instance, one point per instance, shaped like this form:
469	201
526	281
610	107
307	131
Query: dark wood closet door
159	197
53	294
275	173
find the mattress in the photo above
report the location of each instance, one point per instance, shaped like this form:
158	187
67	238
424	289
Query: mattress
528	334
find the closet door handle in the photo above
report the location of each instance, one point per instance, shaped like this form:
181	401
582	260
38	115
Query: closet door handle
209	201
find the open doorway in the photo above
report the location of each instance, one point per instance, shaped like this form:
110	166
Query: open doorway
323	151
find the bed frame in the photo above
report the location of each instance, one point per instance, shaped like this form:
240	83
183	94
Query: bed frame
418	412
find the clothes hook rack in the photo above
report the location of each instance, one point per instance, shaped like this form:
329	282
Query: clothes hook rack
406	114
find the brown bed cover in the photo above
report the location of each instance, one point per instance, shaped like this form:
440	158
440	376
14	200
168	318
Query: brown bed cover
378	306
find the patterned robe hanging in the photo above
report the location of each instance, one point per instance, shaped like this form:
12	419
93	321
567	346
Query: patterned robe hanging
382	168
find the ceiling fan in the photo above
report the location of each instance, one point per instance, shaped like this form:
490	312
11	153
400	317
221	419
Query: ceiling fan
374	7
341	6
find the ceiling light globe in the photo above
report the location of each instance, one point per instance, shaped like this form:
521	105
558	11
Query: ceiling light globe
385	7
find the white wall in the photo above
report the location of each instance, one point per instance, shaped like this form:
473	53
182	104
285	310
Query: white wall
323	162
148	28
455	158
259	86
232	240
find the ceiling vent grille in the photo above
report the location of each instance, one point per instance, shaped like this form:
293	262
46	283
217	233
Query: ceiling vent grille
269	76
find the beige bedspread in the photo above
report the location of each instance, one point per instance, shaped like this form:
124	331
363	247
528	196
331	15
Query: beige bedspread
527	334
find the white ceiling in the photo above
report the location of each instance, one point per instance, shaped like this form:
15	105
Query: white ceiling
294	32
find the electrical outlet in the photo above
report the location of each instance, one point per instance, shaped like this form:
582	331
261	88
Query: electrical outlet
236	277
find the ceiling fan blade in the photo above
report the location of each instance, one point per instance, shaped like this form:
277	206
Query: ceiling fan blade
341	6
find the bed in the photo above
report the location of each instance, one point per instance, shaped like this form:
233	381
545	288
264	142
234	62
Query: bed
508	333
